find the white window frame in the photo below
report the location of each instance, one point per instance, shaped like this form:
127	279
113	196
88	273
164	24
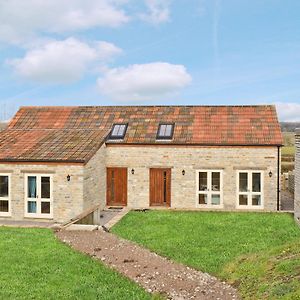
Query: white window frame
38	199
7	214
249	192
209	192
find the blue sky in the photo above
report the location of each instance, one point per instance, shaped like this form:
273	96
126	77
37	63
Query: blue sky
118	52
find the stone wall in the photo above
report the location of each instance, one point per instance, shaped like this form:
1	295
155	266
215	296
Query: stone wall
95	180
190	159
67	195
297	176
87	185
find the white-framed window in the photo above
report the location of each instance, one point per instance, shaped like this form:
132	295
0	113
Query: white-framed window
250	189
209	188
5	191
39	196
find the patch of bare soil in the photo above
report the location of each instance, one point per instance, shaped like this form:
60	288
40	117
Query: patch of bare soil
153	272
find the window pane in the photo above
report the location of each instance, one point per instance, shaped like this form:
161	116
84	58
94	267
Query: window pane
115	130
31	187
4	206
31	207
45	186
243	199
121	130
215	181
202	181
243	182
168	130
256	182
256	200
215	199
118	130
45	207
162	130
165	130
202	199
3	186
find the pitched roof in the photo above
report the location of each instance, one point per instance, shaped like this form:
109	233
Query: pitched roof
76	133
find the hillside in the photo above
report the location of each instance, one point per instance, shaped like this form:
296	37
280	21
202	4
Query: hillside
289	126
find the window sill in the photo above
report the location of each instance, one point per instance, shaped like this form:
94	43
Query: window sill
6	215
210	206
247	207
35	216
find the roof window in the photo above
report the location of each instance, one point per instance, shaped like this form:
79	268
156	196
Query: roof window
165	131
118	131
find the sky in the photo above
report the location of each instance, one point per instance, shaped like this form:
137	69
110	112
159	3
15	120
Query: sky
150	52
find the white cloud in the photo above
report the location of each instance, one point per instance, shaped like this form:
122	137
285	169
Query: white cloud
63	61
21	19
144	81
158	11
106	51
288	112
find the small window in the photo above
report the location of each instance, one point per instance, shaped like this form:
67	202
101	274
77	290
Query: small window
118	131
165	131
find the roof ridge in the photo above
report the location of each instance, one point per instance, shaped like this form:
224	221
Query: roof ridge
137	106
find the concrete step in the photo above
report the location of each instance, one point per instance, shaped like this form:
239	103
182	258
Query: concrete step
81	227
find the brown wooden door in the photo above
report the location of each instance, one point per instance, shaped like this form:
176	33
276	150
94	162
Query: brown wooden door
160	187
116	186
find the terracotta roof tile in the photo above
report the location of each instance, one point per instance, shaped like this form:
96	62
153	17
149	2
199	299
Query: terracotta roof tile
75	133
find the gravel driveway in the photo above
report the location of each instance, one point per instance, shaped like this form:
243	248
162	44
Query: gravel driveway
153	272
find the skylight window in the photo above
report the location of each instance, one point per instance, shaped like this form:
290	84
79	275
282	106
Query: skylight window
165	131
118	131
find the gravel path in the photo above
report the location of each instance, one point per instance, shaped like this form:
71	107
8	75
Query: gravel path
155	273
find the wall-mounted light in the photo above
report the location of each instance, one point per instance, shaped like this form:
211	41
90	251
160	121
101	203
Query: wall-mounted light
183	172
270	174
68	177
132	171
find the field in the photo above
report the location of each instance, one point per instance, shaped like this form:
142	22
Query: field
288	152
258	253
35	265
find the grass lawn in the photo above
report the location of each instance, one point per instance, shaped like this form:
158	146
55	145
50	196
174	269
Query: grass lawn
34	265
242	248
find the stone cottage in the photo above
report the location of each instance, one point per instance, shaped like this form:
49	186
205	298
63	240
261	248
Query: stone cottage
56	162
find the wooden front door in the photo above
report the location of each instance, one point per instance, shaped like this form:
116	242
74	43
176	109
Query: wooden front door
116	186
160	187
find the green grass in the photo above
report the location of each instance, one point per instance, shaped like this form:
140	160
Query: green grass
227	245
288	151
272	274
35	265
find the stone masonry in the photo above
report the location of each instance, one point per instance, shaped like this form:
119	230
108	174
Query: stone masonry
95	180
191	159
67	195
87	185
